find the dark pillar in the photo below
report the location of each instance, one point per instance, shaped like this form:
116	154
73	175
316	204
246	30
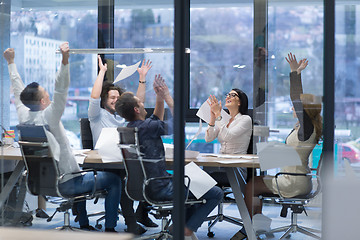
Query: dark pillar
181	64
106	34
329	100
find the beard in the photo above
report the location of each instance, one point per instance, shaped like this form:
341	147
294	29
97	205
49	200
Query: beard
109	109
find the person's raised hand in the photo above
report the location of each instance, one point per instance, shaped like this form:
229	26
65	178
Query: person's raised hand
145	67
160	87
291	59
215	105
103	67
9	55
302	65
65	51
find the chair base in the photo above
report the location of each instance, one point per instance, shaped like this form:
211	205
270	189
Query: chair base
68	228
164	233
160	235
221	217
296	228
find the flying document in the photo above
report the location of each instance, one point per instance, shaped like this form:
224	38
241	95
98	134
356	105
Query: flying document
127	72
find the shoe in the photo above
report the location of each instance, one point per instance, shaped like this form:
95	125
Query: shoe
40	213
88	228
135	229
241	234
146	221
111	230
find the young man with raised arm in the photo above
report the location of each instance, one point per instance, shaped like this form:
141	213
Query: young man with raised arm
33	106
102	114
150	131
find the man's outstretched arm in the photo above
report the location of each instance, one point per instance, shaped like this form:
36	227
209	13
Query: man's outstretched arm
97	87
143	70
16	83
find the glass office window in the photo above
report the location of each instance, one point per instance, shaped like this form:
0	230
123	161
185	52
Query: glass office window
35	31
220	51
148	27
347	97
35	34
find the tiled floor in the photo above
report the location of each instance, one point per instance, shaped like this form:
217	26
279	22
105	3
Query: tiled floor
222	230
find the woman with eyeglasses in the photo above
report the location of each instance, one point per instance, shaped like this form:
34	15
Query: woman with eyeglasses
234	134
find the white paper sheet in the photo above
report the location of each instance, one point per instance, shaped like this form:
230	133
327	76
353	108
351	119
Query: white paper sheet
127	72
200	181
235	156
204	113
276	155
80	155
107	145
232	161
169	152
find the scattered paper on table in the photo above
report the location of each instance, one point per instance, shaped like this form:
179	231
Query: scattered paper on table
127	72
276	155
233	161
169	152
107	145
80	155
200	181
209	155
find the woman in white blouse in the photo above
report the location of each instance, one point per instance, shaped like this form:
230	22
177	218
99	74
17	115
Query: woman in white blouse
234	134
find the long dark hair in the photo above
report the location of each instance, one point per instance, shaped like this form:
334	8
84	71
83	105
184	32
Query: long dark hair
243	108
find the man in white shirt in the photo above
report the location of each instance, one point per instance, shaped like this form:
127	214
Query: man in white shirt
34	106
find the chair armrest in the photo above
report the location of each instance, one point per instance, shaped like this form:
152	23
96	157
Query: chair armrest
80	172
298	174
147	182
33	144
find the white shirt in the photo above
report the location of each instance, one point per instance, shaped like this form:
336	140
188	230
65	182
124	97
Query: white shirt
233	139
50	116
100	118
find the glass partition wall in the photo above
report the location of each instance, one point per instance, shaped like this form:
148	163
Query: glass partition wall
233	44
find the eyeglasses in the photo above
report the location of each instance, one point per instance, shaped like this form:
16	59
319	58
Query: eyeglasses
232	95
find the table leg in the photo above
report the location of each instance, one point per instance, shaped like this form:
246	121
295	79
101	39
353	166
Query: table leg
237	183
14	177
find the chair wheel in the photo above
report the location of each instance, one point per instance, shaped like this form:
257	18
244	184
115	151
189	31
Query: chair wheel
98	226
210	234
288	236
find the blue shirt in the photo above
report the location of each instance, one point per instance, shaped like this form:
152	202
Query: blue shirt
150	131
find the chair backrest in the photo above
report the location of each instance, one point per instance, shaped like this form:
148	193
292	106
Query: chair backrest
86	134
42	169
250	149
135	172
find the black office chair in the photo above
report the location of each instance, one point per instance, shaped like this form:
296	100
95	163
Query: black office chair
86	134
296	204
137	182
42	172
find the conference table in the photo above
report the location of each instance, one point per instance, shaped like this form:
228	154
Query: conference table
229	162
